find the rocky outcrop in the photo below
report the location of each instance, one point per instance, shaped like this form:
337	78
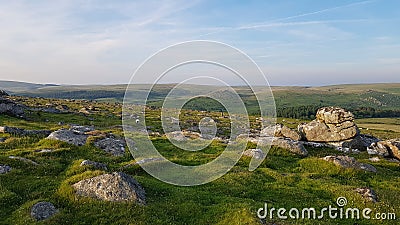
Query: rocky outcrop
43	210
4	169
367	193
349	162
96	165
111	145
387	148
280	130
67	135
114	187
11	108
23	132
332	124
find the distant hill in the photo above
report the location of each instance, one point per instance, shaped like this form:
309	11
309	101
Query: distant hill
365	100
16	87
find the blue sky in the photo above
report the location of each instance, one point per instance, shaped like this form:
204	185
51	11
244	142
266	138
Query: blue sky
294	42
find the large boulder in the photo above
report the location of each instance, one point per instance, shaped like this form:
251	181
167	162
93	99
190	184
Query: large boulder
349	162
292	146
43	210
114	187
11	108
332	124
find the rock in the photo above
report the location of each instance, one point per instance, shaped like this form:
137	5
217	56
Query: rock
280	130
96	165
11	108
4	169
291	145
254	152
3	139
387	148
349	162
367	193
43	210
3	93
111	145
68	136
84	110
23	132
81	129
114	187
332	124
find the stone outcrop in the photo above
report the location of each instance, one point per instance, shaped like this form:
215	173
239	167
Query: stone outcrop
387	148
23	132
114	187
43	210
349	162
11	108
111	145
332	124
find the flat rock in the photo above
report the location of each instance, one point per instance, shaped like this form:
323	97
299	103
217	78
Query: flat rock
114	187
96	165
111	145
68	136
4	169
349	162
43	210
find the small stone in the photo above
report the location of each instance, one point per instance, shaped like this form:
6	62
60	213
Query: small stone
367	193
43	210
4	169
374	159
96	165
254	152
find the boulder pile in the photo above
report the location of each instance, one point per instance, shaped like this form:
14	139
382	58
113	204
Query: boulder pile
332	124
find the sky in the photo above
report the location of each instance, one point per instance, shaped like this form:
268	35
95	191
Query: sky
300	42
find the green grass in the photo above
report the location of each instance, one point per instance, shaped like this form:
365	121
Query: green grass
282	180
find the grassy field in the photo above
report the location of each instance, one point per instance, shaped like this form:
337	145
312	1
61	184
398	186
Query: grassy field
282	180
